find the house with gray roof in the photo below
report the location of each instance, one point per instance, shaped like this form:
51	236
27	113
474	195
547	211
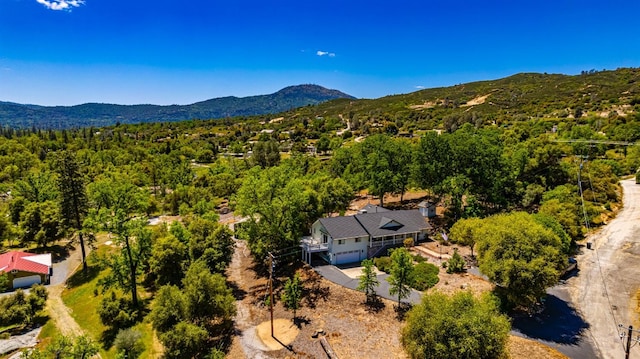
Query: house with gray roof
350	239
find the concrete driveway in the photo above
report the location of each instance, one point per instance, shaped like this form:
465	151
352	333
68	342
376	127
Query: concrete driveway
348	277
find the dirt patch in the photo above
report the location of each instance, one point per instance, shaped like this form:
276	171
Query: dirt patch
410	200
284	333
427	104
524	348
476	101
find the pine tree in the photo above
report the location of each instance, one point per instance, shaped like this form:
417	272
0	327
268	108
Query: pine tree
368	280
73	197
292	295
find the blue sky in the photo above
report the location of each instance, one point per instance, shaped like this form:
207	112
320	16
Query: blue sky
66	52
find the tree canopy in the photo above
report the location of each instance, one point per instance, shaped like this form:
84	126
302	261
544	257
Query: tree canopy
460	326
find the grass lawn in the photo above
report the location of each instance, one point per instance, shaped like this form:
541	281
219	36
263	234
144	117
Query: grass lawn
81	298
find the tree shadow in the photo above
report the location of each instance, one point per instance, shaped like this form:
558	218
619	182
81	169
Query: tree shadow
238	292
82	277
288	347
374	304
401	310
298	321
314	294
558	323
59	252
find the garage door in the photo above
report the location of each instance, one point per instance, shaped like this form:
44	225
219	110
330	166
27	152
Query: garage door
24	282
348	257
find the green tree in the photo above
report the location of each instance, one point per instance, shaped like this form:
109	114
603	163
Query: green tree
266	153
40	223
280	207
169	308
462	232
292	294
169	259
73	197
61	347
185	340
129	342
368	281
209	302
84	347
461	326
401	275
118	207
520	255
211	242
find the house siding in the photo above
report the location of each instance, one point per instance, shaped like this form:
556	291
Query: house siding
348	245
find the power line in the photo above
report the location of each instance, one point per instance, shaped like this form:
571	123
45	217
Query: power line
602	279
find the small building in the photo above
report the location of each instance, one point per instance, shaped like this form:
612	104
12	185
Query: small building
372	208
427	209
350	239
26	269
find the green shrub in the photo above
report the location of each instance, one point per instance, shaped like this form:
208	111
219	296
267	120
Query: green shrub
425	276
383	264
418	258
117	312
456	264
408	242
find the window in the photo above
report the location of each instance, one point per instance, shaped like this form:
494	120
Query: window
358	240
340	241
324	238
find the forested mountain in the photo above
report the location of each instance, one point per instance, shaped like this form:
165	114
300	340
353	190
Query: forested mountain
98	114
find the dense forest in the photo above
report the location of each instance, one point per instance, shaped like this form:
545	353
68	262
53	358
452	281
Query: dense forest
550	145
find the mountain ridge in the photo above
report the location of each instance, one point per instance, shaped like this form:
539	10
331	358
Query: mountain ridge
104	114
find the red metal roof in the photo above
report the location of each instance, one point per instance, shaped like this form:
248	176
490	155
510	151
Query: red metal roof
17	260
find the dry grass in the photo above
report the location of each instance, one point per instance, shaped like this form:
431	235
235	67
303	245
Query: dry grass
520	348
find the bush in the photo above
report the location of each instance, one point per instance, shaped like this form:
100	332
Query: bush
383	264
456	264
408	243
418	258
425	276
4	282
128	342
117	312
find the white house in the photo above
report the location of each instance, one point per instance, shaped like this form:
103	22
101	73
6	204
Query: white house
350	239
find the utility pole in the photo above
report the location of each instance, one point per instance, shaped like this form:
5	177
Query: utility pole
271	265
628	348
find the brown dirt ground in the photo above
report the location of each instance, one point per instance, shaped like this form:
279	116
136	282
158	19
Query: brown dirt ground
352	330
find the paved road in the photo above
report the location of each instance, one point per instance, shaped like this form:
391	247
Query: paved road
335	275
605	287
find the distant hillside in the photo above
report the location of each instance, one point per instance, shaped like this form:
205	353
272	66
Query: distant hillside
99	115
519	97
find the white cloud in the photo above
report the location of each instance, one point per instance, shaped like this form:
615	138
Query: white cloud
420	87
61	4
325	53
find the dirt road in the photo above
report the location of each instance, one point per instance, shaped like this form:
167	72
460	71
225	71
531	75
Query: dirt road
604	289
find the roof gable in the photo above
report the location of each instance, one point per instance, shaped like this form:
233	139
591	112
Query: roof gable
391	224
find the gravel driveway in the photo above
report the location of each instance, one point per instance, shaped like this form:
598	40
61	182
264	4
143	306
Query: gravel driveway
605	287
